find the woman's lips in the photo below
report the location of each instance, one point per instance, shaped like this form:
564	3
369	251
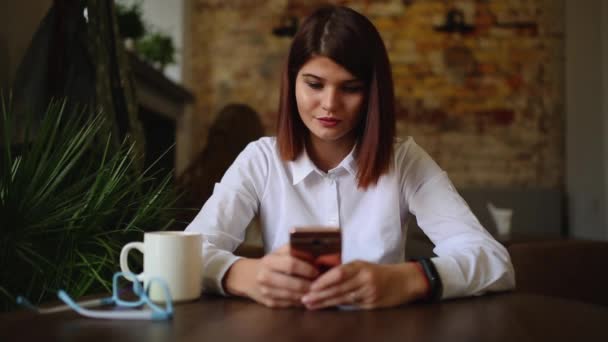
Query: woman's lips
328	122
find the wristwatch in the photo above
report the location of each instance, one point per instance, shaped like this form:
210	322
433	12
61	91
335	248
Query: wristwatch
436	287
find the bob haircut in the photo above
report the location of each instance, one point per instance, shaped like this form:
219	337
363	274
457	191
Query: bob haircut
350	40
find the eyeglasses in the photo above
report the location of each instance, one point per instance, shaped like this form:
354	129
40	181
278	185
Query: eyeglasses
154	313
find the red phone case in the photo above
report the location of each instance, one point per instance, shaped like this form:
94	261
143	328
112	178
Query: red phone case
321	246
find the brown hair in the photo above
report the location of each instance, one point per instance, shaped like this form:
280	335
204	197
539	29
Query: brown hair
352	41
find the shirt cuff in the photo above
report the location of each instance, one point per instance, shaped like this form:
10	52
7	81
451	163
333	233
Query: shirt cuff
451	277
215	269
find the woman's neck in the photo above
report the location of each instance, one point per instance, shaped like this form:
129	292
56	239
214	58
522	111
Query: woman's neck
326	155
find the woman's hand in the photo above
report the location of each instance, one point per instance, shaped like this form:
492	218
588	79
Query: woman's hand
367	286
278	280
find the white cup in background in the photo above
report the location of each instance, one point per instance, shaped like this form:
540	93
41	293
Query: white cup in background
174	256
502	219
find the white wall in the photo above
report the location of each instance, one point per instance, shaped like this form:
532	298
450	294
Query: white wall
586	117
166	16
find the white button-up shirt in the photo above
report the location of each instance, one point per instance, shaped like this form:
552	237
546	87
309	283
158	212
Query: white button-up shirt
373	221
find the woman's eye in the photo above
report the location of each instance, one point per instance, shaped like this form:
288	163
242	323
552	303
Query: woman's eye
352	89
314	85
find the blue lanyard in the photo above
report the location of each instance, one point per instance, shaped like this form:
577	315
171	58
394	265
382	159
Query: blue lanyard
155	312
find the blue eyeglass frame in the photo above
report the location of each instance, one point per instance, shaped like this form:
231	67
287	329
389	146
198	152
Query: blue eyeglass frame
156	312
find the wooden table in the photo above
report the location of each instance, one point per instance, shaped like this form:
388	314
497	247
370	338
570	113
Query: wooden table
500	317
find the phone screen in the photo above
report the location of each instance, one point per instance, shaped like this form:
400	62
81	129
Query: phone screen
321	246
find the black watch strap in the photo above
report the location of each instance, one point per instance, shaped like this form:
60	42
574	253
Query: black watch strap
430	271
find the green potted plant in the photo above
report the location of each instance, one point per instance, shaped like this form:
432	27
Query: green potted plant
157	49
130	23
69	201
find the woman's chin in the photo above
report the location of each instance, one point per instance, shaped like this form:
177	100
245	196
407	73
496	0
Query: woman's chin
329	137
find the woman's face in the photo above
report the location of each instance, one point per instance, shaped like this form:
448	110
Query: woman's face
329	100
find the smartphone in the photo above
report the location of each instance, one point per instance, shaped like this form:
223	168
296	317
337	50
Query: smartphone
321	246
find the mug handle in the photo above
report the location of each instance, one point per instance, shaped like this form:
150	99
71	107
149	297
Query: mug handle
124	263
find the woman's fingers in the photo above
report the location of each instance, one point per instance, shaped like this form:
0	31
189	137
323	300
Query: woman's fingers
338	286
336	276
278	303
349	298
282	279
288	264
281	294
345	293
273	279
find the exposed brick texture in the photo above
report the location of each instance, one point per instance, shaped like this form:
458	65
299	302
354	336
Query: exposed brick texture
487	105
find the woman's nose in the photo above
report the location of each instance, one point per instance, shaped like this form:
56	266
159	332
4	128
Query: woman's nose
330	99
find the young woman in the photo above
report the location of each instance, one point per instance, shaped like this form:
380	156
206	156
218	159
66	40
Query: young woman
335	162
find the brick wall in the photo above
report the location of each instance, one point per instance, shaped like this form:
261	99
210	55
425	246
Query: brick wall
487	104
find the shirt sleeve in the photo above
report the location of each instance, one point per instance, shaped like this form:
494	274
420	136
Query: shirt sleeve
226	215
469	260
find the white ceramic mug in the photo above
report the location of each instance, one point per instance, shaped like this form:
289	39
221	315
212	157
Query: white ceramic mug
174	256
502	219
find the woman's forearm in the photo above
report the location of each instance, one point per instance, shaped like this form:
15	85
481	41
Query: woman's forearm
240	277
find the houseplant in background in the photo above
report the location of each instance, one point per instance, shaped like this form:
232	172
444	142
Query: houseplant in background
151	45
130	23
68	202
157	49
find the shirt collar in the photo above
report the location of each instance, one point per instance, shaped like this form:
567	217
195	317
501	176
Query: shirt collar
303	166
350	162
